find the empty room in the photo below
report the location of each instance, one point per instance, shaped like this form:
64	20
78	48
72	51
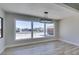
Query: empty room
39	28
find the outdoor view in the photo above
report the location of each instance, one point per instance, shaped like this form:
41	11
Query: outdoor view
50	29
38	29
24	29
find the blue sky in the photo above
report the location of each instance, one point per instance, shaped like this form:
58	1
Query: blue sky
27	24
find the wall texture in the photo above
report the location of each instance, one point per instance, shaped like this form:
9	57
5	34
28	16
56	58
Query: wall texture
2	41
69	29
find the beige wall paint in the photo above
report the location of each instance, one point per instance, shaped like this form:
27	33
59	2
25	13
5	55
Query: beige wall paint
69	29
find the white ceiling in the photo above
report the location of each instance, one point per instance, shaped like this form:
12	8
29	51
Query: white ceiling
56	11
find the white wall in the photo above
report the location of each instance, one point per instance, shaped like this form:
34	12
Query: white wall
69	29
2	41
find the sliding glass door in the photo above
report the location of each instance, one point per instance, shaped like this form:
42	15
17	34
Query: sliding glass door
38	30
33	29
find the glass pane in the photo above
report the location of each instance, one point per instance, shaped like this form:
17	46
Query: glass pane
23	29
50	29
38	29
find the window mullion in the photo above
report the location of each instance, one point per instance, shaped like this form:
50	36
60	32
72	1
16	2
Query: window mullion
44	29
31	29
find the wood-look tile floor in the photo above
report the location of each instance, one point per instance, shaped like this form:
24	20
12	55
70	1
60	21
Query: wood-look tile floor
47	48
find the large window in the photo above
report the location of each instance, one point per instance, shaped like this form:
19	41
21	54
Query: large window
50	29
33	29
1	27
23	29
38	29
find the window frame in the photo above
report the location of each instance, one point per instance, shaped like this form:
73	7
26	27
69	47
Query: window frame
1	27
33	28
25	34
45	36
53	31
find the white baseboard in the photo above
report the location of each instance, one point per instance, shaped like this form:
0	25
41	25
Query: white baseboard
70	42
35	42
